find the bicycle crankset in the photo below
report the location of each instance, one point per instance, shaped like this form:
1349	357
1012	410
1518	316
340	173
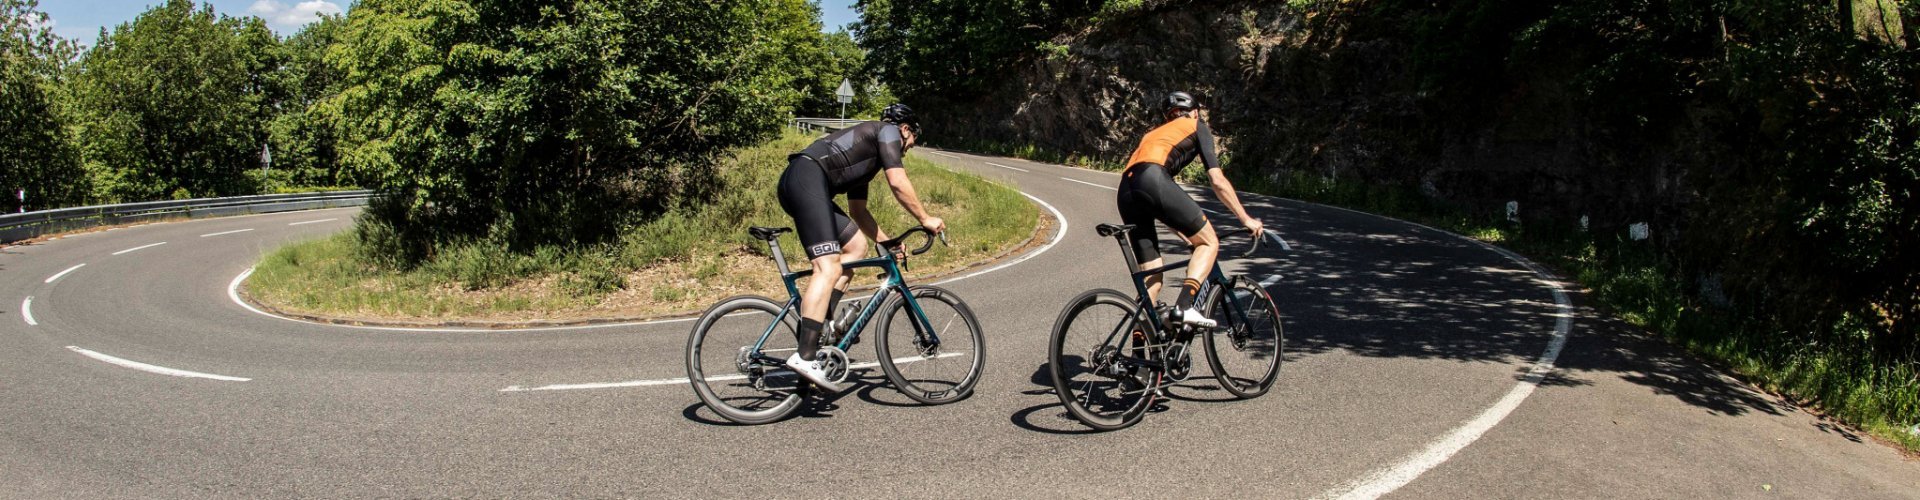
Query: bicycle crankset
834	361
1179	362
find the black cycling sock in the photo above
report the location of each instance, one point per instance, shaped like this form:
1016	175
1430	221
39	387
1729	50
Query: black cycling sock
834	301
1189	289
809	338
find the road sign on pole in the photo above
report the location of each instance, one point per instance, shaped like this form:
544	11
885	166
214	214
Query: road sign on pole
845	93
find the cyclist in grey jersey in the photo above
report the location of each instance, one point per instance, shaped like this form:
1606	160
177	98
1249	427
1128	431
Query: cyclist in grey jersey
843	162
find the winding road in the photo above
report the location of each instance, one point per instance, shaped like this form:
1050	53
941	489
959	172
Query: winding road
1419	365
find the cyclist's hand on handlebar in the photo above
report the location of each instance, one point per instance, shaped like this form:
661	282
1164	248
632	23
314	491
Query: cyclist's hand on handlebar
934	224
1256	227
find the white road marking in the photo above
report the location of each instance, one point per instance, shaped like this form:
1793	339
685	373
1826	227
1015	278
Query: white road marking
1058	234
26	310
223	233
64	273
944	154
1268	283
153	368
1008	168
1109	188
314	221
684	380
1383	481
142	247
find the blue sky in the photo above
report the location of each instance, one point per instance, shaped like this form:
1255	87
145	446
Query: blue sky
82	19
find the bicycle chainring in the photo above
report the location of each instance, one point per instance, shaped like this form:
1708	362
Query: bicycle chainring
835	362
1179	362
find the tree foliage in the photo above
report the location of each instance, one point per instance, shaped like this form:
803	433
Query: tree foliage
538	123
302	135
175	103
946	50
37	152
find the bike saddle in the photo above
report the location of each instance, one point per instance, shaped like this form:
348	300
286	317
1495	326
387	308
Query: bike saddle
1112	229
768	233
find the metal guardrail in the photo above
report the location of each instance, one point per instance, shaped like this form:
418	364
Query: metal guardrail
823	124
21	226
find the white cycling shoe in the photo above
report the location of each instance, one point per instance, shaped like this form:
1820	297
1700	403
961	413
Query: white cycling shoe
1193	316
813	371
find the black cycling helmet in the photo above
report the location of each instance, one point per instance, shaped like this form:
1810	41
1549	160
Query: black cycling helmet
1178	100
900	114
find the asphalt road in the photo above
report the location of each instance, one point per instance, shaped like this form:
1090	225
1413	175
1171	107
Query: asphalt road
1419	365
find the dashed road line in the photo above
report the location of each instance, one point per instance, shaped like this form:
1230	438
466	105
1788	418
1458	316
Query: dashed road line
174	372
1007	167
138	248
26	311
224	233
314	221
1109	188
64	273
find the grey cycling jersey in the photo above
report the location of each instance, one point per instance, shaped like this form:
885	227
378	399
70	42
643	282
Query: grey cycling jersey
853	155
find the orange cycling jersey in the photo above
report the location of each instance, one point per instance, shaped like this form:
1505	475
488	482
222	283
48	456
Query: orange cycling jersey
1174	144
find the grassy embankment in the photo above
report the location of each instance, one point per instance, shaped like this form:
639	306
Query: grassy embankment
1629	280
678	262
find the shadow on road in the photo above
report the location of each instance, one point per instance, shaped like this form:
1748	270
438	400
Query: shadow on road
1378	288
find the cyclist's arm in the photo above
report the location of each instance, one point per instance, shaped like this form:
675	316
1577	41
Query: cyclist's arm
857	209
903	192
1222	188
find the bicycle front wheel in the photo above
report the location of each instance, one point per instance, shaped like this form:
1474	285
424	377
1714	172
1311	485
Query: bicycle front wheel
1246	350
932	373
722	368
1093	356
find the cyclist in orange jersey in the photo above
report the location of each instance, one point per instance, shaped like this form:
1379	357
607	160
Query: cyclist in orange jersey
1148	193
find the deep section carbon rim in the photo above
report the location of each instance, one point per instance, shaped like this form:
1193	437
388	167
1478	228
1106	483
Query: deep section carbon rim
721	372
927	372
1089	358
1247	348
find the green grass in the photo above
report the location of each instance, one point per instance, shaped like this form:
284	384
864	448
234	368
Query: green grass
678	262
1630	281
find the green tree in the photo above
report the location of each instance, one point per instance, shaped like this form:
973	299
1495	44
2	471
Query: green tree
551	123
840	58
37	152
949	50
303	136
176	103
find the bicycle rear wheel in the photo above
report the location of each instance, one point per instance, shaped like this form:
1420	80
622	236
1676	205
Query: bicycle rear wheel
722	371
1246	350
929	373
1091	358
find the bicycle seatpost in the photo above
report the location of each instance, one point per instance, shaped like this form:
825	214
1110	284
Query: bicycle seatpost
1126	248
779	259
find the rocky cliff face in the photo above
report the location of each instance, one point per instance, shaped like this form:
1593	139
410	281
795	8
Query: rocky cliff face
1333	93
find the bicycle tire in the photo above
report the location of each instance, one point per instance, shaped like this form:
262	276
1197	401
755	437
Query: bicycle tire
961	352
1246	352
1093	388
711	358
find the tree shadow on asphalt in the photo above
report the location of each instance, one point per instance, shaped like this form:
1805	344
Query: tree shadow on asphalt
1383	289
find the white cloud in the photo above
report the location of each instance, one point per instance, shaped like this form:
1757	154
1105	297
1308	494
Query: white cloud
281	15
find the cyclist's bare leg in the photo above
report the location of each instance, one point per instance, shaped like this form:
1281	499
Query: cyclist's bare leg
1206	248
827	273
1154	281
855	250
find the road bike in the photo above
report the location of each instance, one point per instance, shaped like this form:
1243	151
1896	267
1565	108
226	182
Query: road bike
1110	353
929	344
